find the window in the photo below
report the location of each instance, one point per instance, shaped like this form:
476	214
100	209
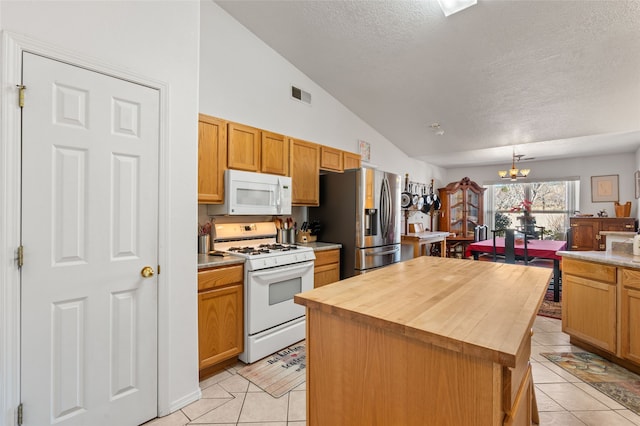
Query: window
551	204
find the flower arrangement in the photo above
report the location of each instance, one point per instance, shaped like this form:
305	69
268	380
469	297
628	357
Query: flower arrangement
524	206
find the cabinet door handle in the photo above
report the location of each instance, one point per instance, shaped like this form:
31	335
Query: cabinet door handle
574	246
628	226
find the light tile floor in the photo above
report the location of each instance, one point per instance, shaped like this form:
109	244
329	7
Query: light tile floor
563	399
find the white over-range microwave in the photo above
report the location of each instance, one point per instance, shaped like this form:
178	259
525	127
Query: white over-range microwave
250	193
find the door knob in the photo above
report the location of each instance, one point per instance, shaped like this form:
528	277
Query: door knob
147	272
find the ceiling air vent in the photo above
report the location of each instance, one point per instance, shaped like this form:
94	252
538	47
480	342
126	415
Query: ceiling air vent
300	95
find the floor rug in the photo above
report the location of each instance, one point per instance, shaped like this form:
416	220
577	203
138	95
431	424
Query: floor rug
549	308
612	380
277	374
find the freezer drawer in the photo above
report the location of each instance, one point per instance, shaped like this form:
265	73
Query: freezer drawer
375	257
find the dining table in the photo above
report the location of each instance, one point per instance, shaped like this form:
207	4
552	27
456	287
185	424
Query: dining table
544	249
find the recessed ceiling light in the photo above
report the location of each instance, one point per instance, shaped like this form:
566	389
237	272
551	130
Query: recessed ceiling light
449	7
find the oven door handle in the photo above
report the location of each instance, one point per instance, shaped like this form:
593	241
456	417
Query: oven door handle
281	269
382	253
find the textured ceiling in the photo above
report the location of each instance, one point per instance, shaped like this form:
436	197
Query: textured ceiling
552	78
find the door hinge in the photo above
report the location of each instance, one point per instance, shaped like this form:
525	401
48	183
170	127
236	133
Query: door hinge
21	89
20	414
20	256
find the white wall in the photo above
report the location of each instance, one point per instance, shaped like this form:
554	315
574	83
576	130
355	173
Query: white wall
244	80
623	165
158	40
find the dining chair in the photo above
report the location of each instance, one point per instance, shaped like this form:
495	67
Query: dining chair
509	246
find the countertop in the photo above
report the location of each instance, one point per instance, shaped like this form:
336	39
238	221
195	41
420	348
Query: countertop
320	246
206	261
608	257
427	235
478	308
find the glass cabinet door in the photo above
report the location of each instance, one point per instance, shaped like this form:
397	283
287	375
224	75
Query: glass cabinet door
456	212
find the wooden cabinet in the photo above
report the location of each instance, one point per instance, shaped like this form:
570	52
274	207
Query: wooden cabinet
304	168
461	211
243	147
331	159
335	160
212	159
275	154
585	231
630	315
589	302
351	160
220	314
327	267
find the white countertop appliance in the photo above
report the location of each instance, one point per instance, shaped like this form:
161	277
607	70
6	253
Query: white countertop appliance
274	273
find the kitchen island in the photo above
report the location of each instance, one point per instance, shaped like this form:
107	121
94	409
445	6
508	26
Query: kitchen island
427	341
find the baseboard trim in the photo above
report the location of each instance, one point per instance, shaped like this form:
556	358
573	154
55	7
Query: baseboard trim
184	401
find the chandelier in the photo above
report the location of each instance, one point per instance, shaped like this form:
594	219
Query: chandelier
514	173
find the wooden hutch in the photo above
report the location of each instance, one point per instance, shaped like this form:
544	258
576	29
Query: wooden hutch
462	210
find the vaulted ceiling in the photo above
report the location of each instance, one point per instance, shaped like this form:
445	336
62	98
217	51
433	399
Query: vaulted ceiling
551	78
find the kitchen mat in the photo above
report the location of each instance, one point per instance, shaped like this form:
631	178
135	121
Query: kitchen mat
279	373
616	382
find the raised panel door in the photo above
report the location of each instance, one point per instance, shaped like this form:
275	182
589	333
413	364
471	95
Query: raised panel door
630	327
88	317
275	154
584	234
589	311
304	168
351	160
220	325
212	159
243	151
331	159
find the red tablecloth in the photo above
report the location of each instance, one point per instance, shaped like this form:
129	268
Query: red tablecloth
545	249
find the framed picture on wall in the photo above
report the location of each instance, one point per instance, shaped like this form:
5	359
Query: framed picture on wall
604	188
636	179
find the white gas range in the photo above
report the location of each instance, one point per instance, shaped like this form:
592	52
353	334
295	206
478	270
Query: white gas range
274	273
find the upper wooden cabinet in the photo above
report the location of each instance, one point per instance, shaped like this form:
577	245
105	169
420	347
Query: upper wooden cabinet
212	159
243	147
462	208
331	159
336	160
275	154
585	231
304	168
351	160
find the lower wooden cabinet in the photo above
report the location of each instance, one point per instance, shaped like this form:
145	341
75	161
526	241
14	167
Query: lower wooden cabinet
327	267
220	314
589	302
630	315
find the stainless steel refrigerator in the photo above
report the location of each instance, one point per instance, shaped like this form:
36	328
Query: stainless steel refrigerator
360	209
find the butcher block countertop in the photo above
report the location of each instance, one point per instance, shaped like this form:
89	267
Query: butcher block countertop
482	309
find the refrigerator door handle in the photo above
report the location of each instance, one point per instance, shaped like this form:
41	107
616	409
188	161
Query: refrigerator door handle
385	207
382	253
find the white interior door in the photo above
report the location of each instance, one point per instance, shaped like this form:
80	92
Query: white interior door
89	226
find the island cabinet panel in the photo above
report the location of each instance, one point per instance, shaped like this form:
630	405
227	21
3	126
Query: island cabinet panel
630	315
589	303
411	373
212	159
